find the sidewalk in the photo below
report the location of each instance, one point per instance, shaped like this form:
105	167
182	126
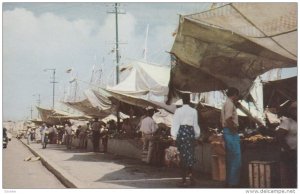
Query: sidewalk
80	169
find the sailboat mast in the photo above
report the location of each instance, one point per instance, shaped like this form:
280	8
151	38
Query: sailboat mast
117	44
146	41
75	90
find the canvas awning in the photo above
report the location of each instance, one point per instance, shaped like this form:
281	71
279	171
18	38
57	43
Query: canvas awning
57	117
140	102
146	85
37	121
92	106
231	45
145	79
85	107
75	117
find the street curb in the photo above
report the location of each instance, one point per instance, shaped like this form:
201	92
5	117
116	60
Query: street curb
66	179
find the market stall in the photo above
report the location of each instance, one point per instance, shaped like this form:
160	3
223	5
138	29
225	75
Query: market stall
210	52
229	46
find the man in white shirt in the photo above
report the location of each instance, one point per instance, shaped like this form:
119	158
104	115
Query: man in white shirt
43	131
229	117
286	134
148	128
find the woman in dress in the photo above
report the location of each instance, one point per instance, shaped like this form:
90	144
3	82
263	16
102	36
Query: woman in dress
185	130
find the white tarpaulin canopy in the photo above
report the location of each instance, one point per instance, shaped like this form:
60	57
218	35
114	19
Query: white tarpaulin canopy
232	45
146	85
145	80
92	106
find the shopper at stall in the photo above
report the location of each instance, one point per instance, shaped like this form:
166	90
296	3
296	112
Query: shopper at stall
229	121
51	133
44	136
77	131
60	136
68	135
82	136
185	130
148	128
287	137
127	129
96	128
104	137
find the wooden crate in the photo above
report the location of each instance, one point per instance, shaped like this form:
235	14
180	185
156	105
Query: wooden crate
263	174
218	167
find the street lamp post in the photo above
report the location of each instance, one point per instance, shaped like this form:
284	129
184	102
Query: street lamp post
116	12
53	82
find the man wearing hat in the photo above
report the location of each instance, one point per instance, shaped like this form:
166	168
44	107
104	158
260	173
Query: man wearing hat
148	128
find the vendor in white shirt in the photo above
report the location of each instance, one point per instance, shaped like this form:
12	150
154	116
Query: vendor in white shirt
185	130
148	128
286	134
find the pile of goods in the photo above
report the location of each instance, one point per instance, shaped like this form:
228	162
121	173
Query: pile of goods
258	138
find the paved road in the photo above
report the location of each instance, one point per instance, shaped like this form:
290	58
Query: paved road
99	170
20	174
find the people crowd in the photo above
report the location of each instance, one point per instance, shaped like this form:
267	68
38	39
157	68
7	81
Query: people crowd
64	134
184	133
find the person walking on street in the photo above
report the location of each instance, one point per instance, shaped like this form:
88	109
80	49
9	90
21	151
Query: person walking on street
148	128
230	123
5	137
68	135
43	132
32	134
185	129
28	133
96	127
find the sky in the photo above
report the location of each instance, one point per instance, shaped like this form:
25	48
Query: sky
80	36
38	36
